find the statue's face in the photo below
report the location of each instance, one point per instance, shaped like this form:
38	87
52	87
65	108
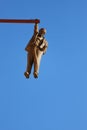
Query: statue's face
42	34
42	31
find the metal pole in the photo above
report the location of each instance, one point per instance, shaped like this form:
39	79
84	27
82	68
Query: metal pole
20	21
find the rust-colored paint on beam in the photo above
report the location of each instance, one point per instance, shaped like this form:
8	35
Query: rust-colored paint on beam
19	21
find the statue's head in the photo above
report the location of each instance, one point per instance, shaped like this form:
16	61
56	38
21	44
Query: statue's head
42	31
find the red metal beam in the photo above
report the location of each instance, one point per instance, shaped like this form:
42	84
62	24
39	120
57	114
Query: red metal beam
19	21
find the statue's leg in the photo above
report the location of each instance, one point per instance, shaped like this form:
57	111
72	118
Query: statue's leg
37	60
29	65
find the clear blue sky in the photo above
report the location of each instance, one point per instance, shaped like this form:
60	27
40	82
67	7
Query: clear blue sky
57	100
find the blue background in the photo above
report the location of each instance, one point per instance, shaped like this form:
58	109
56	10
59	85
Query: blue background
57	100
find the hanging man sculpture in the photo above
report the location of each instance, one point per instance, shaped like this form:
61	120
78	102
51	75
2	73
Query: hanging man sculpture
35	48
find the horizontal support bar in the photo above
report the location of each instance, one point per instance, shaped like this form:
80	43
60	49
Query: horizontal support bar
19	21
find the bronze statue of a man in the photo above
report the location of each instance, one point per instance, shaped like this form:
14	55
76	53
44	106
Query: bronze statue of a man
35	48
